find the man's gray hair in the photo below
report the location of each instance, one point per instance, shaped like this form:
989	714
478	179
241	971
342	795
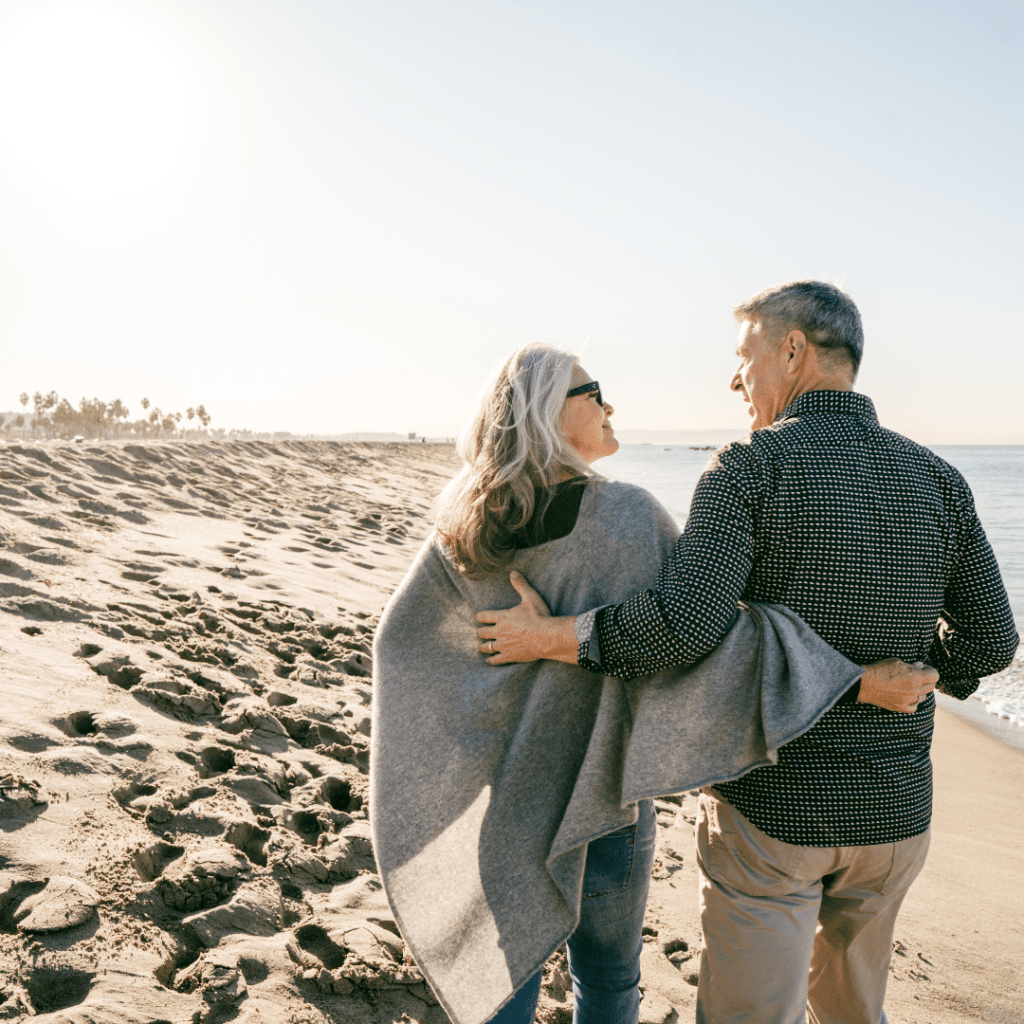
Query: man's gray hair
825	314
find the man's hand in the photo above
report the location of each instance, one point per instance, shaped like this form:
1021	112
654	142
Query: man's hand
897	686
526	632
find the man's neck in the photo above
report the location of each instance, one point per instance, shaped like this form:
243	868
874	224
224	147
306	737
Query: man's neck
821	382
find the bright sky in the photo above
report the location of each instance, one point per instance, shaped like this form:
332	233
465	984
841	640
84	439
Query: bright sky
331	216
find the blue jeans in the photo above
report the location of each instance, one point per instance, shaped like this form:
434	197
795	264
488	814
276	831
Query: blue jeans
604	950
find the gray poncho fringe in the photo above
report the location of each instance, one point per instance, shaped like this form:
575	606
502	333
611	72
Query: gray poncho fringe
488	782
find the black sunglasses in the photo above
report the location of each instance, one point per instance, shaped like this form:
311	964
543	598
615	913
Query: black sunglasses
584	389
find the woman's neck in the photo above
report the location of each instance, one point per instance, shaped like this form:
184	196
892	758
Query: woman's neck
566	474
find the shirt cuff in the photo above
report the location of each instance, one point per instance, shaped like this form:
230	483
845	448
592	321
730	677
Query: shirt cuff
588	653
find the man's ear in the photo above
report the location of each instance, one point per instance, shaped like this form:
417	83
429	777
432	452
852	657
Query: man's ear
795	349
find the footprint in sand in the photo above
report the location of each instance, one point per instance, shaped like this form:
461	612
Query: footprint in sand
78	723
118	669
151	861
251	839
50	523
66	542
49	557
18	795
16	571
13	890
28	743
133	796
179	697
275	698
216	761
63	903
50	989
141	572
203	879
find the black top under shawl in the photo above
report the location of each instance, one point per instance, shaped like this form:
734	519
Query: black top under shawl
554	518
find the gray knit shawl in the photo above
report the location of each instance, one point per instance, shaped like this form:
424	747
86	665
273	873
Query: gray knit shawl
486	783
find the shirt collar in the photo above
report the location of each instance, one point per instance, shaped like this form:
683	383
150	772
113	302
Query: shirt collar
847	403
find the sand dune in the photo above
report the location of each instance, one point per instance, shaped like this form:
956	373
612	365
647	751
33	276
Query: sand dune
185	632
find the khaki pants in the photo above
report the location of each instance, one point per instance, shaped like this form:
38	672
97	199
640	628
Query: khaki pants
790	930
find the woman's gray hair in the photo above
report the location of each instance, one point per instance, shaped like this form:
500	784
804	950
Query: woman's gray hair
511	447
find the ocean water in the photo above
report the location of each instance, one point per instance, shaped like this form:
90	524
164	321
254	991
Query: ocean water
995	474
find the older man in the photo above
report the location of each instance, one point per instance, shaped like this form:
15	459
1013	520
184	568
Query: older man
874	540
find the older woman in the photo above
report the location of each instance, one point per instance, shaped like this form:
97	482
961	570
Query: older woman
510	805
528	464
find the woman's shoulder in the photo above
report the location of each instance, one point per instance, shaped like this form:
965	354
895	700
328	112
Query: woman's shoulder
626	497
632	509
622	536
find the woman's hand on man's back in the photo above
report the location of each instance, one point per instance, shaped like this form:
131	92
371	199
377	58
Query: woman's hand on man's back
897	686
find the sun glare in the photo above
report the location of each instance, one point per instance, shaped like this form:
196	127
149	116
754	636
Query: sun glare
95	112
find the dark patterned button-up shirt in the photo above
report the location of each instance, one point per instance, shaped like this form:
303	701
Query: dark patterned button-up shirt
874	540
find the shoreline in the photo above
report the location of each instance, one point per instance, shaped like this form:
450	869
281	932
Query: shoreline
974	711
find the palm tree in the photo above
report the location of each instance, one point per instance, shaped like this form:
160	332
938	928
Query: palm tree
65	419
42	404
117	411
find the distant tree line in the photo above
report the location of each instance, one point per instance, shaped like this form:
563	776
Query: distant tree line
54	416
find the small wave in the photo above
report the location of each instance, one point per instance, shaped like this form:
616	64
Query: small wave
1003	693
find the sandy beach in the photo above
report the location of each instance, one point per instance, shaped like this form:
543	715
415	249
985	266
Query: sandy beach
186	638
